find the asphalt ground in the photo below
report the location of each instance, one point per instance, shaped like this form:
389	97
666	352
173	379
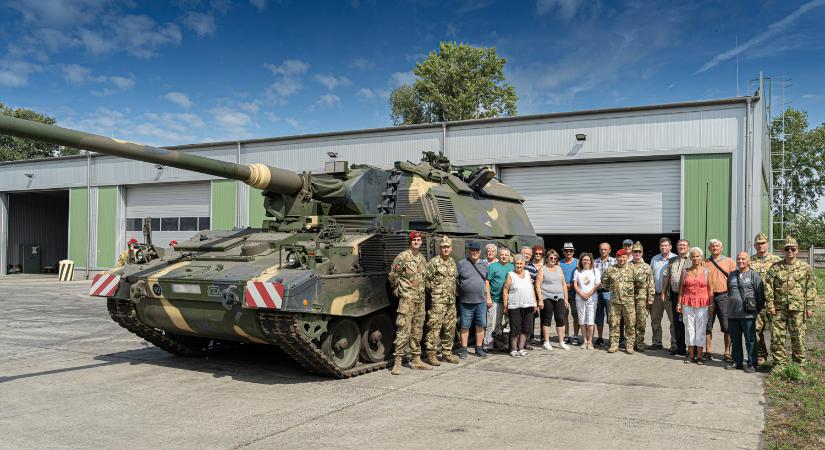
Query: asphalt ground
70	377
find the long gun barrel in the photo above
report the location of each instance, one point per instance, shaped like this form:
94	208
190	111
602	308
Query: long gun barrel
259	176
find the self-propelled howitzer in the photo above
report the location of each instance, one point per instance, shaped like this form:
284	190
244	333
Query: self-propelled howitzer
313	280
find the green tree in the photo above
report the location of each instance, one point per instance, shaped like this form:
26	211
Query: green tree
456	83
13	149
807	229
804	179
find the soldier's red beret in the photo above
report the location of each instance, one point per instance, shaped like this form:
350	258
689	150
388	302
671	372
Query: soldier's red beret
133	241
415	234
621	252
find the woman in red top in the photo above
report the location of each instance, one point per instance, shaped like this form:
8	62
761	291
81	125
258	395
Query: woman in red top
695	296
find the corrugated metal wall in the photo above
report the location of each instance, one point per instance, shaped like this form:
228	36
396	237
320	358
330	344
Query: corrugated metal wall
639	197
39	218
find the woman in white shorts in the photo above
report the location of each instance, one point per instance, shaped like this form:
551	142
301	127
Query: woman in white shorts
586	280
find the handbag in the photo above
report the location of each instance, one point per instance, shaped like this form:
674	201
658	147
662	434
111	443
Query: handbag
749	304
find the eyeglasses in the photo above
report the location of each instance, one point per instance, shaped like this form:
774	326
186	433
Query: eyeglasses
791	249
552	258
568	251
539	254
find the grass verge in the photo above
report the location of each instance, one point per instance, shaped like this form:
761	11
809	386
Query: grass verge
796	396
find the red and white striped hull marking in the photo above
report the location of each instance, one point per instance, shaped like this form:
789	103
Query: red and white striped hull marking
104	285
260	294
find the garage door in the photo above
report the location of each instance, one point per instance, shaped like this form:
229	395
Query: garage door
178	210
637	197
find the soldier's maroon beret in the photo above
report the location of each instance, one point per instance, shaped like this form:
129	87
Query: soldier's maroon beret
621	252
415	234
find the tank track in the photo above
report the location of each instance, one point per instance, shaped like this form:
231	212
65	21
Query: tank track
282	329
123	312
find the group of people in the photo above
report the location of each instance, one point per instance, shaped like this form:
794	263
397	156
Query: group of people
750	296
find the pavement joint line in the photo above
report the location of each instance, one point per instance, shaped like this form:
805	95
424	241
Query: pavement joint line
580	380
638	419
386	391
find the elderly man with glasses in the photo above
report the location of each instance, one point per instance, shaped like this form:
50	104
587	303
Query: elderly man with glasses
790	293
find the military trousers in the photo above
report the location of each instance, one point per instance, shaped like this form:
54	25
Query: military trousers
622	311
409	326
763	325
658	310
641	322
441	325
788	323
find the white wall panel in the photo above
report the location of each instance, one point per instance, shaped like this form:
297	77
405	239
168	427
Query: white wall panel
381	149
48	174
678	131
605	198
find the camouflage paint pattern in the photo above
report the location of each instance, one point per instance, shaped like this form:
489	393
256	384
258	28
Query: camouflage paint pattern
791	290
643	292
441	278
620	281
761	264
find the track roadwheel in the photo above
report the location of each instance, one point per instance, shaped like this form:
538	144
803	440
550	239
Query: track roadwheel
342	343
376	337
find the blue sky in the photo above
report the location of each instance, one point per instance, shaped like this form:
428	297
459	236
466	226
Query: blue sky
198	70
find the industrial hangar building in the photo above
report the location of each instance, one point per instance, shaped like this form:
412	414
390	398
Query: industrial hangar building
696	170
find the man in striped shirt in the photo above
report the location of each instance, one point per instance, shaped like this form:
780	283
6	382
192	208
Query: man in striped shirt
602	263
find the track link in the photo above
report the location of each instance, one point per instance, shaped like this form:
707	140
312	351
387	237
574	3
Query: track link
123	312
282	329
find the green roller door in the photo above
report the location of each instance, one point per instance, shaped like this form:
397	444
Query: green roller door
257	213
707	199
106	225
223	204
78	225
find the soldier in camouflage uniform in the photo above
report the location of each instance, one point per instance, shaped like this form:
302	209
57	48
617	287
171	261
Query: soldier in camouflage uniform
441	279
790	293
407	280
643	291
761	261
619	280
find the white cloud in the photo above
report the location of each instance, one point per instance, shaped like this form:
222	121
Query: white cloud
16	73
259	4
178	98
361	64
271	116
399	78
292	122
231	120
251	107
370	94
328	101
284	87
122	82
331	81
567	8
201	23
290	67
76	74
95	43
149	128
774	29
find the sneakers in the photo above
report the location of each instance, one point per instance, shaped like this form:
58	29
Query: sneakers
515	354
566	340
575	340
599	341
547	346
462	353
730	366
750	369
564	346
588	346
528	347
523	353
656	347
481	353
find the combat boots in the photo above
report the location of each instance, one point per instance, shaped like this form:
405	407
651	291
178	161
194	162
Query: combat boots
450	358
613	348
432	359
416	363
396	368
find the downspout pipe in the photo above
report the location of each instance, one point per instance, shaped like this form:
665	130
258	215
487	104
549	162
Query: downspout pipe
748	174
88	212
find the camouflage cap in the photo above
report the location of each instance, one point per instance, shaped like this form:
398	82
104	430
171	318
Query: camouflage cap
790	241
627	242
637	247
446	241
760	238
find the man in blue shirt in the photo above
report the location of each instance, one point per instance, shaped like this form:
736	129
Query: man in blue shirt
496	276
657	310
472	298
568	264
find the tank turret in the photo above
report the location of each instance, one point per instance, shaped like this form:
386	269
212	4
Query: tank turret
313	281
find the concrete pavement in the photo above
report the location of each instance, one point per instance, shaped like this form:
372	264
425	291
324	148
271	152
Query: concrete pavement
71	377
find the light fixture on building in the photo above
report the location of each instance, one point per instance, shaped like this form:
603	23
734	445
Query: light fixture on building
29	175
158	166
581	136
332	155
